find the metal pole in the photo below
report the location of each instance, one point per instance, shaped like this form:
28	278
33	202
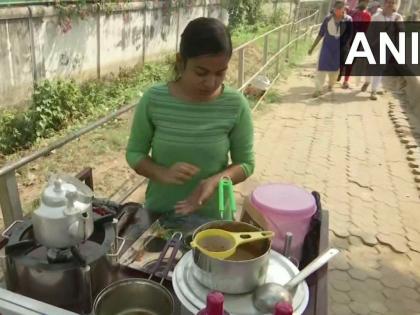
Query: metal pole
9	198
33	56
289	37
278	48
241	72
98	43
178	13
144	34
275	8
290	10
265	56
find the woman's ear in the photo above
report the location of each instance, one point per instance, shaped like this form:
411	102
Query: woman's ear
178	58
179	65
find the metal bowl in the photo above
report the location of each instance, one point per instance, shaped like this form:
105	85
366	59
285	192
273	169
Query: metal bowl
134	296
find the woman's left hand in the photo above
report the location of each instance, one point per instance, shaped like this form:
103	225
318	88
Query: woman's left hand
199	196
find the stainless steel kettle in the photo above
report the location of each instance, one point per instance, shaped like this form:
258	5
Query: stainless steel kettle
64	217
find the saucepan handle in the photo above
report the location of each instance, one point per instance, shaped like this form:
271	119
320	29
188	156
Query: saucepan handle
175	249
174	241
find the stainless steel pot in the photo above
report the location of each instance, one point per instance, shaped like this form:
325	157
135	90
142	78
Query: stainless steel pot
135	296
241	273
140	296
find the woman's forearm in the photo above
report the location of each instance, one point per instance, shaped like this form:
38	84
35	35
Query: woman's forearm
317	40
234	171
149	169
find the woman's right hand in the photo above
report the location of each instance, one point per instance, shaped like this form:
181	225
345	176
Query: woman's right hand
178	173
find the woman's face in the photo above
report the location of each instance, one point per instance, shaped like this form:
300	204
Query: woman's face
339	12
205	74
389	5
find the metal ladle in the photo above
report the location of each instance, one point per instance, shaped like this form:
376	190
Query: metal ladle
269	294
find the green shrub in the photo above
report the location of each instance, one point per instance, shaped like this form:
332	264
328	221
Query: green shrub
58	104
16	131
243	12
54	105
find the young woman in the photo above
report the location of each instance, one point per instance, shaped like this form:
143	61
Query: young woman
184	131
336	31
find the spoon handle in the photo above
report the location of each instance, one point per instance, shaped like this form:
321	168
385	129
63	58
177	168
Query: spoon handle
312	267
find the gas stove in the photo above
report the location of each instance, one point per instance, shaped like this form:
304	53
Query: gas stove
68	278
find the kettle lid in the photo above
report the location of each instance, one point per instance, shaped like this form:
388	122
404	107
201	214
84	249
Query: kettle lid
59	185
54	195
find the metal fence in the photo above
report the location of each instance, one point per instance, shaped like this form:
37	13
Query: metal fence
293	32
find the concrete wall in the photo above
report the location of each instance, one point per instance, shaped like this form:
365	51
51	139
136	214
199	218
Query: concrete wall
33	45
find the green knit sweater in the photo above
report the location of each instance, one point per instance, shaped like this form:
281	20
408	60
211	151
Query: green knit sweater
203	133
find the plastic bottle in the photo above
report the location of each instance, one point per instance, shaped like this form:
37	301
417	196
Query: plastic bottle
283	309
214	306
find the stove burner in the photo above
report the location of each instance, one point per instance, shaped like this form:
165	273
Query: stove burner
55	255
154	244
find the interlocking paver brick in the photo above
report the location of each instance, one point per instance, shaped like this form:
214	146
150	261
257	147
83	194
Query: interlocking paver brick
405	292
340	263
359	308
414	246
339	297
342	286
411	305
340	309
358	274
377	307
397	242
340	229
369	238
412	234
339	242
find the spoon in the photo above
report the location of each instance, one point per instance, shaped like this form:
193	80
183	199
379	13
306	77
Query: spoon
221	244
268	295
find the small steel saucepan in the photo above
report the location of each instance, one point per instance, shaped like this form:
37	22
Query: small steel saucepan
138	296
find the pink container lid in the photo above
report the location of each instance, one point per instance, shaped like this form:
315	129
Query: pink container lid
284	200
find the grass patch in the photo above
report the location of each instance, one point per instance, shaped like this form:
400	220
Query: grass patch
245	33
272	97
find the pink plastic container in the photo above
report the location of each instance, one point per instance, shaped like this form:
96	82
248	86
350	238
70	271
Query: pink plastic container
286	208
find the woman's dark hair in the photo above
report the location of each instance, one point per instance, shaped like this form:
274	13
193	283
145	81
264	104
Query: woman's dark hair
205	36
339	4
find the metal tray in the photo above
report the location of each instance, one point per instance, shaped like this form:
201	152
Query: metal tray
192	294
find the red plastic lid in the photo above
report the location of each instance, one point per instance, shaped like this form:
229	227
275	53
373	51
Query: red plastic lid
284	199
283	309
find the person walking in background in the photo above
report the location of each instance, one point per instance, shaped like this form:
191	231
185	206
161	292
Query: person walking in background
351	5
335	35
389	14
374	7
361	18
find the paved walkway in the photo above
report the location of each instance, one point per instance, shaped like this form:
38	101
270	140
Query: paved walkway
347	148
